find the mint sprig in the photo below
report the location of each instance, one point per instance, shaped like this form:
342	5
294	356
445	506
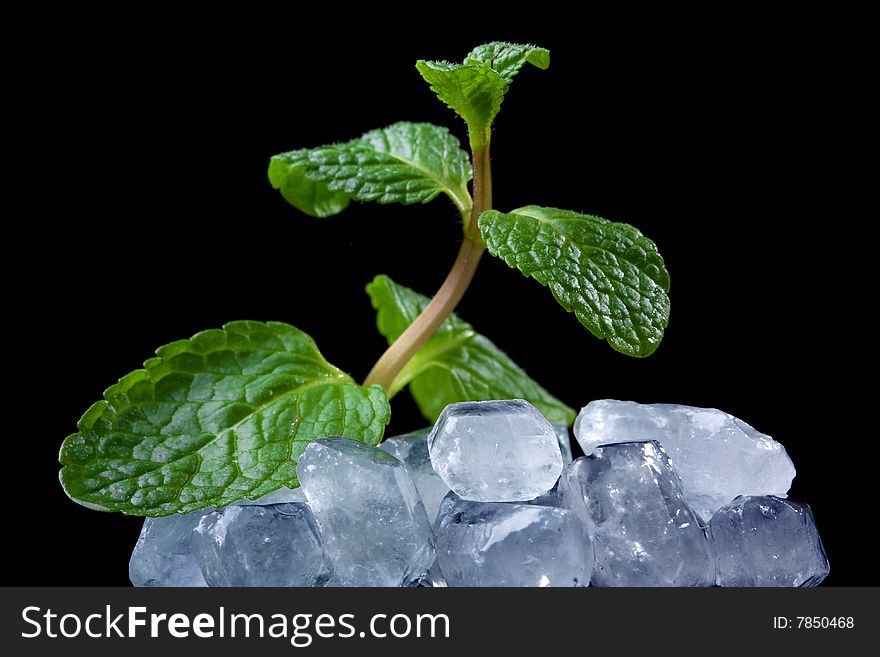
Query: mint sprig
226	414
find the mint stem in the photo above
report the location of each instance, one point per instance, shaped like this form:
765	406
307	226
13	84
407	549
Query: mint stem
482	191
450	293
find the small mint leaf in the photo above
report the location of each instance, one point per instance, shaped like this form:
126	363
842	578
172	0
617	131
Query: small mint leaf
475	88
222	416
403	163
473	92
608	274
457	364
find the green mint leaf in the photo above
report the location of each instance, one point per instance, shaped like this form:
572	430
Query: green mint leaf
608	274
476	88
220	417
403	163
473	92
457	363
506	59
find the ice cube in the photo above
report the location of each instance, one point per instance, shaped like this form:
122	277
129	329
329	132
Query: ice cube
261	545
717	456
163	555
767	541
643	532
511	544
495	451
371	517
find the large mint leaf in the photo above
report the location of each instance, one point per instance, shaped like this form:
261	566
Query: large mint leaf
222	416
403	163
475	88
608	274
457	364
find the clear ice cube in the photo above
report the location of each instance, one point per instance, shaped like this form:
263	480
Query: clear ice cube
510	544
643	532
717	456
371	517
495	451
261	545
767	541
163	555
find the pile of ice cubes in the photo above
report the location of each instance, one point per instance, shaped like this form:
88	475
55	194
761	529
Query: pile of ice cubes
666	496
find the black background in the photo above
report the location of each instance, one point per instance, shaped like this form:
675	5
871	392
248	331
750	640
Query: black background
152	219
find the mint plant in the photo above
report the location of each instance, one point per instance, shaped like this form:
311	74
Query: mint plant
226	414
